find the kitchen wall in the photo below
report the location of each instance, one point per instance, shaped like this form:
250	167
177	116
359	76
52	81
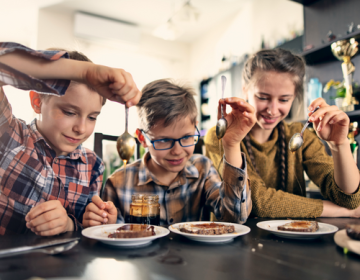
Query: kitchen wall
152	58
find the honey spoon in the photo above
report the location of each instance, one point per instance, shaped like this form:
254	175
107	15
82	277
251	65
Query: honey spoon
297	140
221	124
126	143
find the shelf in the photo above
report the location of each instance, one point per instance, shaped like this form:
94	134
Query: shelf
305	2
323	53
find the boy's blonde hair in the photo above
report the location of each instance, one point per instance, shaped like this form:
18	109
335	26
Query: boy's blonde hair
166	102
74	55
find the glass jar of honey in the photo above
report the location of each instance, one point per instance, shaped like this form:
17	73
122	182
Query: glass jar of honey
145	209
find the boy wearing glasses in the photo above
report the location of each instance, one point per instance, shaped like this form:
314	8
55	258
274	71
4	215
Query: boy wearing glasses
184	182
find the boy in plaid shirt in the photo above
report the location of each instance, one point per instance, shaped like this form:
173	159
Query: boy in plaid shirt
184	182
46	177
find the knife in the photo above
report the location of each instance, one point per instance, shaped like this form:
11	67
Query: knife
23	249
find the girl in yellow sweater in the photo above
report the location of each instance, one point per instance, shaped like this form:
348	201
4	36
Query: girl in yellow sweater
272	79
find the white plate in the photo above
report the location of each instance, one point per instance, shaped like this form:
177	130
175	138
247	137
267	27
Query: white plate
101	233
273	225
344	241
239	230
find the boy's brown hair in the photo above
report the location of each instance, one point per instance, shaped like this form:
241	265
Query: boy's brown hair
166	102
74	55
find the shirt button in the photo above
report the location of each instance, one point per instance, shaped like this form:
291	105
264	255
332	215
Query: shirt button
243	200
38	86
241	178
171	220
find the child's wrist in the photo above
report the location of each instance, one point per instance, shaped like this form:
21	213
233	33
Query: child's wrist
70	224
338	147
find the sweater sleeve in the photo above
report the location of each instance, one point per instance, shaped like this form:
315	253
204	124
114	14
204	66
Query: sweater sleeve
266	201
320	168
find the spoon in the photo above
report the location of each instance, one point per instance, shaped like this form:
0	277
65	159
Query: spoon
52	250
297	140
126	143
221	124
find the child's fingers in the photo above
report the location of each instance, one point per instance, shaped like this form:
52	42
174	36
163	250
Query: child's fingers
42	208
48	225
91	216
136	96
317	102
110	207
239	104
98	202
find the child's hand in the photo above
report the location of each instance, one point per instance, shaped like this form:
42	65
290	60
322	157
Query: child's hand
99	212
49	218
330	123
240	120
114	84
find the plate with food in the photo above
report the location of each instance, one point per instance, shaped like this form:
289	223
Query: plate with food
125	235
212	232
349	238
297	229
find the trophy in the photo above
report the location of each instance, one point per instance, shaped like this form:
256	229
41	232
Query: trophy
344	50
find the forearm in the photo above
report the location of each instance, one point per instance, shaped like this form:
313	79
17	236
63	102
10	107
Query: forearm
40	68
346	173
233	156
332	210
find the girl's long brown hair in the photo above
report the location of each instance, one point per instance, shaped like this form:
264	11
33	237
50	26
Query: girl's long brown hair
281	61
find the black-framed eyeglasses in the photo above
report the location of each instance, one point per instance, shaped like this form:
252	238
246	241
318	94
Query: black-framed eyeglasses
167	143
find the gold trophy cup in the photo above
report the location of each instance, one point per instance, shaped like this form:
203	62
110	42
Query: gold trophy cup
344	50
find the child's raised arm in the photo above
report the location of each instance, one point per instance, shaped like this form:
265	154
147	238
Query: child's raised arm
114	84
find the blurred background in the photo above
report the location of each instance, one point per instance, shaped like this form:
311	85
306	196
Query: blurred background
193	42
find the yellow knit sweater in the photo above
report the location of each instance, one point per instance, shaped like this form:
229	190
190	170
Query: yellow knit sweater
268	201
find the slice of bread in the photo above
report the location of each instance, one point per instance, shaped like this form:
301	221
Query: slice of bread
133	231
207	229
300	226
353	231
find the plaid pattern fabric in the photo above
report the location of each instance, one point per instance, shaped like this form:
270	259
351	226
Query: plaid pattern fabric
30	172
12	77
198	185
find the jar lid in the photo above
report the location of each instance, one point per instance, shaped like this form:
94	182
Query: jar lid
149	198
138	197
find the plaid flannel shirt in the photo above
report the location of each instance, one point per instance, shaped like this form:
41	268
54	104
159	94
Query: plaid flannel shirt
196	186
30	172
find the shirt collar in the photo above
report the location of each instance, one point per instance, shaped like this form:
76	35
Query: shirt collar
78	153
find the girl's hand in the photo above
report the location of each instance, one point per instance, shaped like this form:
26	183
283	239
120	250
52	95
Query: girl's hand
240	120
330	123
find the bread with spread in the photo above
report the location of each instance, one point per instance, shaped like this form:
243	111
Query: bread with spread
300	226
207	228
353	231
133	231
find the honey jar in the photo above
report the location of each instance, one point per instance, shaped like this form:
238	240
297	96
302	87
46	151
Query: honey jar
145	209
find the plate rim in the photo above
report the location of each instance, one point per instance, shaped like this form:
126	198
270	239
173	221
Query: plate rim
343	232
123	240
293	233
226	236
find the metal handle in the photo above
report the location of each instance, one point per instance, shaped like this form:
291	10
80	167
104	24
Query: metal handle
26	249
308	122
126	118
223	84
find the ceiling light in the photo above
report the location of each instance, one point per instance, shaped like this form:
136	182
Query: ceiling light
170	30
167	31
188	13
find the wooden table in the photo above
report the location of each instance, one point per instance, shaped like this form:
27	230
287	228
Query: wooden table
175	257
